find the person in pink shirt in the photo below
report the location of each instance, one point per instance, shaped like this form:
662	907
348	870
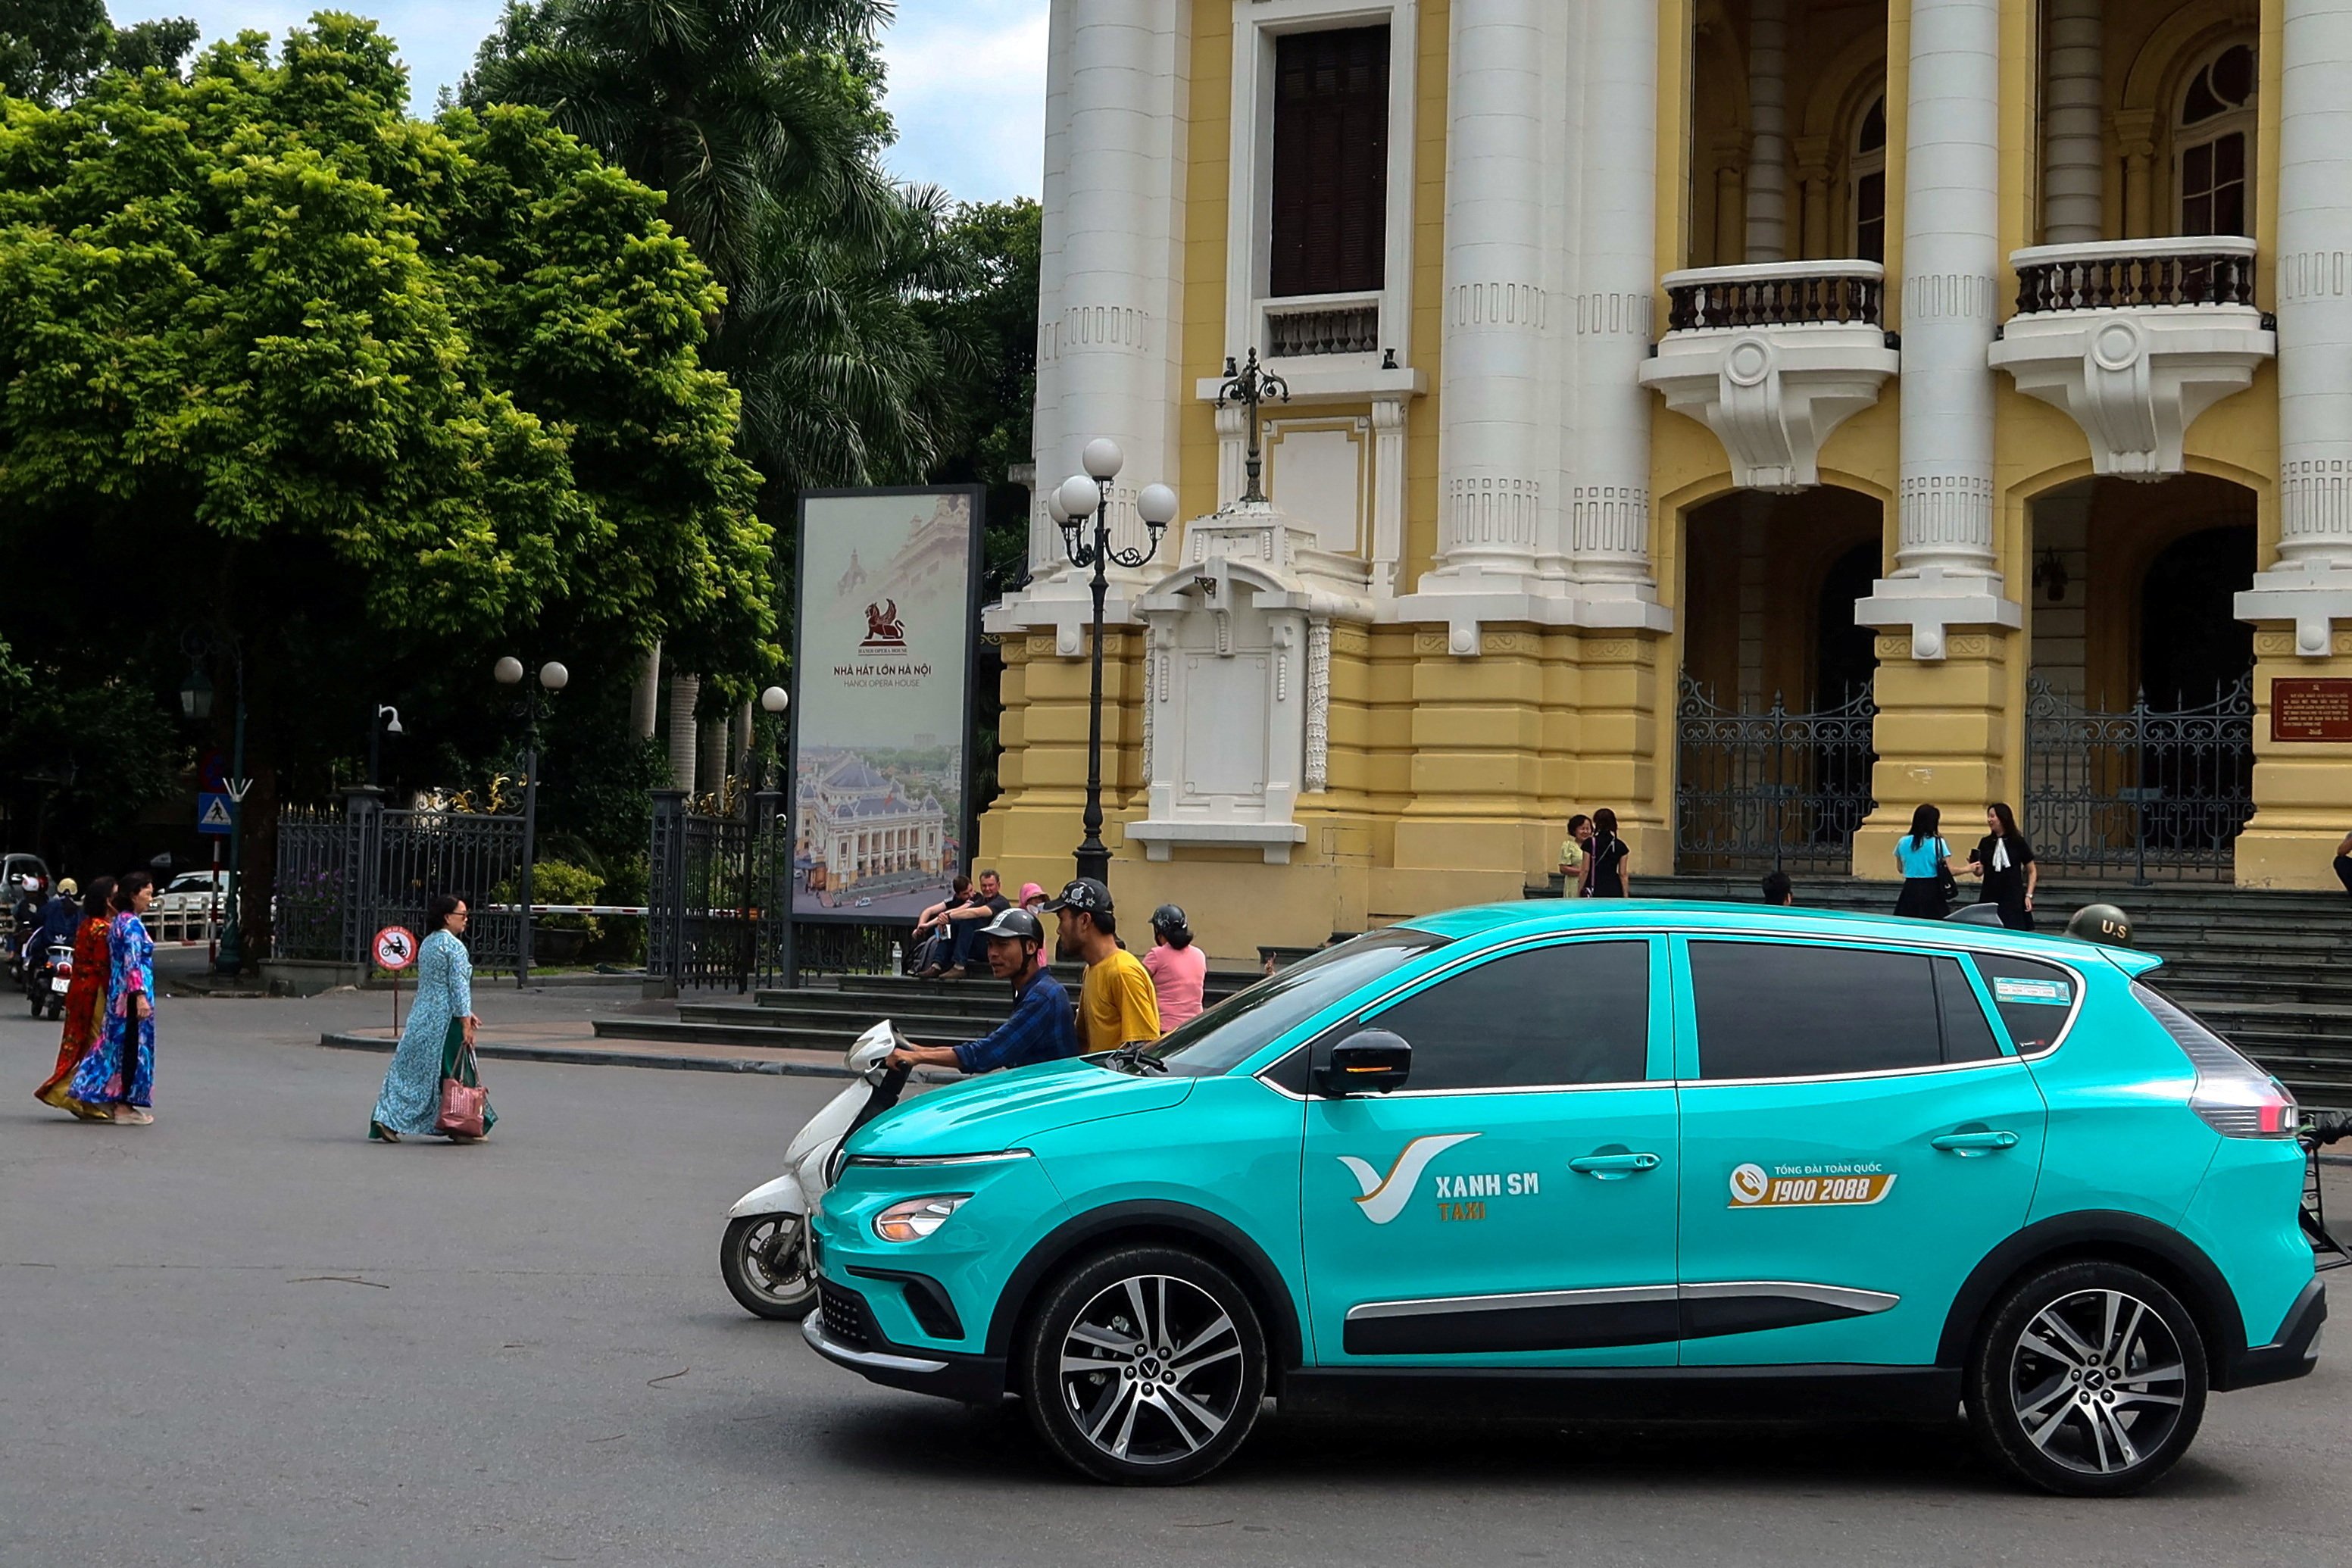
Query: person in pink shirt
1032	897
1178	968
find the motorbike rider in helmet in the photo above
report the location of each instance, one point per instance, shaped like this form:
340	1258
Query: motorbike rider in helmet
1042	1028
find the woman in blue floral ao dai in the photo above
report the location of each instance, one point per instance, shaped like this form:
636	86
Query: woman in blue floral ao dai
438	1041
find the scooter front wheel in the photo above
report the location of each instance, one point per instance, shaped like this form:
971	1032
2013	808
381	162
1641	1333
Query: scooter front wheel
764	1259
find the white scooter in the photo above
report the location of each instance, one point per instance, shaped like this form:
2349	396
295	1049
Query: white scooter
765	1255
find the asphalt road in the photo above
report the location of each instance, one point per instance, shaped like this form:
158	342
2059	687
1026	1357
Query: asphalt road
245	1335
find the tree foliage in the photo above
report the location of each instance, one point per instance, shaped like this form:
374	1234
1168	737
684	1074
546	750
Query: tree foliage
367	399
761	122
50	50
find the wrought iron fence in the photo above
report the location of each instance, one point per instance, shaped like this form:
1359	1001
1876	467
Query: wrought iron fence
1757	788
343	875
721	904
2150	791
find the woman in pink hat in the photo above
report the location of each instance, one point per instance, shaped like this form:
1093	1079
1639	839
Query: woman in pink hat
1032	896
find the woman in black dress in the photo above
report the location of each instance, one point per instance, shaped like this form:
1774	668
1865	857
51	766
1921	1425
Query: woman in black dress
1606	875
2005	861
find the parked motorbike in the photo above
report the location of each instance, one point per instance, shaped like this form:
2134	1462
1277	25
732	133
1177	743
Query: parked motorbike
46	981
764	1256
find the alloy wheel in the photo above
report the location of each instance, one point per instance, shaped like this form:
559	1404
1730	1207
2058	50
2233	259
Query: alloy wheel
775	1259
1151	1370
2097	1381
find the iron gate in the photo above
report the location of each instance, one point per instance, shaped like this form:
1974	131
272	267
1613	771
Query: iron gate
721	894
2144	791
721	904
1770	788
342	877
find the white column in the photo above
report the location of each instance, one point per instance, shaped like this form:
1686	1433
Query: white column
1046	554
1490	445
1952	257
644	696
1128	77
2074	147
685	691
1768	145
2312	582
1609	534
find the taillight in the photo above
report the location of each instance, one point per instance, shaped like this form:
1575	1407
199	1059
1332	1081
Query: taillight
2233	1097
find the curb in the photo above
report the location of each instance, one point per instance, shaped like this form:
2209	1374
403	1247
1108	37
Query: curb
561	1055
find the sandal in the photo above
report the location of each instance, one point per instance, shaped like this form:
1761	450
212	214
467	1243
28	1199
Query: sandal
131	1116
383	1134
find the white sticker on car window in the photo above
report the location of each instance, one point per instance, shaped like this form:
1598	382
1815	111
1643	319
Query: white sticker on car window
2047	993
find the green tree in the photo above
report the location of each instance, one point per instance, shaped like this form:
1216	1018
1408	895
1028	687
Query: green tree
732	108
369	400
761	122
50	49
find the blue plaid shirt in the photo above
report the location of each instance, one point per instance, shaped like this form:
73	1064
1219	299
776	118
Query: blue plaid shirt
1043	1028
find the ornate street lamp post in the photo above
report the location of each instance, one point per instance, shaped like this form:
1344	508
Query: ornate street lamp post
1251	385
1080	497
554	678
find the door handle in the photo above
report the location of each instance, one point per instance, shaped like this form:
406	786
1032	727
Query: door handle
1970	1144
1614	1167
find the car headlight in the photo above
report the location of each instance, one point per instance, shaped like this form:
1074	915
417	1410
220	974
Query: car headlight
917	1218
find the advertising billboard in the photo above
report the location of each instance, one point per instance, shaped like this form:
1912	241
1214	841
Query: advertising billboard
881	714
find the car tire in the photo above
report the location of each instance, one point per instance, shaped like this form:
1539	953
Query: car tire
748	1259
2089	1380
1168	1412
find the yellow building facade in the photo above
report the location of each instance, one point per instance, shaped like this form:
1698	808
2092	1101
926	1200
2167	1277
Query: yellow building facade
1759	417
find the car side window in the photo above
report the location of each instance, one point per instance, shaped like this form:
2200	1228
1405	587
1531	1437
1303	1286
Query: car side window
2035	1000
1786	1010
1967	1037
1572	1012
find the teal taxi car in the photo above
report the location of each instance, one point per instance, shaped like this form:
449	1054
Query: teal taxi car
1608	1159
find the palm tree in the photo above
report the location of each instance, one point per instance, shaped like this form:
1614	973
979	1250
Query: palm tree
732	108
844	381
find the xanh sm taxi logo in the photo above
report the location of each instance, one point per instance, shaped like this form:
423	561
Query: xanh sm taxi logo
1459	1197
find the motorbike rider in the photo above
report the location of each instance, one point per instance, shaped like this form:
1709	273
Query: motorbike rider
1042	1027
24	919
61	919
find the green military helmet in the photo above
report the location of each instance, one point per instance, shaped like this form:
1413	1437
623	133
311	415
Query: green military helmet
2101	923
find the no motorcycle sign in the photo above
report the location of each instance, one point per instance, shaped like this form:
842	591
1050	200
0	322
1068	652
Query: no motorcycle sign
395	947
395	950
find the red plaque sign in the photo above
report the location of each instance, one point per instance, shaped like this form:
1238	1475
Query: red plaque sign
2311	709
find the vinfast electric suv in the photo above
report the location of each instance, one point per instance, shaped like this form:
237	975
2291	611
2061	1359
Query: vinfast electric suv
1608	1159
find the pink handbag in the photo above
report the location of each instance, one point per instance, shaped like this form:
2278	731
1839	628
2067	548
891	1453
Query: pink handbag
462	1103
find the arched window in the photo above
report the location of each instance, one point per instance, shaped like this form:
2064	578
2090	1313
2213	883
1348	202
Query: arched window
1866	194
2211	143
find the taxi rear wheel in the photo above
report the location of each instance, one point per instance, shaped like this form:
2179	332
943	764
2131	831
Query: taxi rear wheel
2089	1380
1145	1366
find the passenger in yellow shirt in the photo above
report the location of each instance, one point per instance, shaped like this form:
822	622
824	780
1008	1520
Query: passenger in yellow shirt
1117	1002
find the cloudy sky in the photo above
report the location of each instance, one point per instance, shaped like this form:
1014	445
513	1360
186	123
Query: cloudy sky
967	76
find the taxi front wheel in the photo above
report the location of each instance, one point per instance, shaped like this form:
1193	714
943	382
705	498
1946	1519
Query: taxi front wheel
1144	1365
2089	1380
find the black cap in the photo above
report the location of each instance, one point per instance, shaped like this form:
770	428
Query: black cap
1085	895
1017	923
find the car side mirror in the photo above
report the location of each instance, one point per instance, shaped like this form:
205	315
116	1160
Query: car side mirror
1369	1061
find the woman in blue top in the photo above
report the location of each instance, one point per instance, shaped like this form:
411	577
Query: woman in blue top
438	1041
1921	856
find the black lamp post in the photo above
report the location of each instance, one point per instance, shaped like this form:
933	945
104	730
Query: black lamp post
1082	495
554	678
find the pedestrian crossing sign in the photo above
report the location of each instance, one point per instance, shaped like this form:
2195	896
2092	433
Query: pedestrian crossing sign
213	812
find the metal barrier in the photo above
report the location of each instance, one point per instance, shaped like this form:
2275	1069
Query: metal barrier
1770	788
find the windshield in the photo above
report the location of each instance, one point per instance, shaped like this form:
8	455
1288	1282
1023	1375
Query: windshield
1239	1027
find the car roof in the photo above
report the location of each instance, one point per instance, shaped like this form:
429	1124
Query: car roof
1539	917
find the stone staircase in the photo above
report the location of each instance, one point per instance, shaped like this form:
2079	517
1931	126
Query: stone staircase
2272	971
831	1012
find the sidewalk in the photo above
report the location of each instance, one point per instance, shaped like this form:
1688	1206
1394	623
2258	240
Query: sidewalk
574	1042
